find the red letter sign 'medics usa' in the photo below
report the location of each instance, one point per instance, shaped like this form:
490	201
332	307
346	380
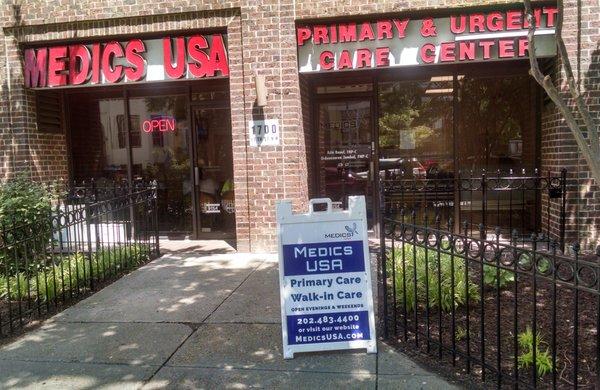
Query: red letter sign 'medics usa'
135	60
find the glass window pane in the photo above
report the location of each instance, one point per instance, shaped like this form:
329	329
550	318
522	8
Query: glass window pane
415	127
495	124
497	133
344	144
416	142
97	138
214	160
160	129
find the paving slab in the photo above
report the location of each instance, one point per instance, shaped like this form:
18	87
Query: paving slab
392	362
164	291
206	247
211	378
413	382
130	343
148	305
49	375
258	346
181	272
255	301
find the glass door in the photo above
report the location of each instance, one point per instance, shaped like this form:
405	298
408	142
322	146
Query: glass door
159	127
213	172
344	148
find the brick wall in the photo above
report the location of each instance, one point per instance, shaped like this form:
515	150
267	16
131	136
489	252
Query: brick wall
558	147
261	38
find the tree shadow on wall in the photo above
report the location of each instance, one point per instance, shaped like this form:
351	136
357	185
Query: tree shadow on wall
588	191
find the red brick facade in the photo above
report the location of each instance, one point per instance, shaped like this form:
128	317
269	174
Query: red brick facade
558	147
261	37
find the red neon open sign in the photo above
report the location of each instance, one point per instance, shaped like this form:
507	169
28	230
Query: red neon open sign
159	124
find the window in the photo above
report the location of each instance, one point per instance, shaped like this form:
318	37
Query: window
157	139
491	118
95	137
415	127
495	124
447	127
134	123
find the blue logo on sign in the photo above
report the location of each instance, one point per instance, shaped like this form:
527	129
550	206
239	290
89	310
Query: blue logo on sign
352	229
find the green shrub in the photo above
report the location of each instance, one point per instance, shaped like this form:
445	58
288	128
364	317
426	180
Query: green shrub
428	276
72	271
23	203
497	277
525	359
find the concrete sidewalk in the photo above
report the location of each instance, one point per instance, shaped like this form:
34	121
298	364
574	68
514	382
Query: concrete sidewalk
201	316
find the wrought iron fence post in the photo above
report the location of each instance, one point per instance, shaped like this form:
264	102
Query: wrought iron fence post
88	223
130	200
94	190
382	283
155	215
538	201
576	277
483	206
563	211
383	257
457	202
597	253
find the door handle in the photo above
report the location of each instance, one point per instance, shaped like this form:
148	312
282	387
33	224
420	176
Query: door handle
372	169
196	176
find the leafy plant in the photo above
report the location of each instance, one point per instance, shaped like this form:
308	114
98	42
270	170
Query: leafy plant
542	264
72	271
542	357
460	333
497	277
25	208
427	289
23	201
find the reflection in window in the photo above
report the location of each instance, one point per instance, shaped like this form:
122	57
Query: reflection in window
215	169
415	128
163	155
497	133
345	147
158	139
495	124
135	139
345	150
98	138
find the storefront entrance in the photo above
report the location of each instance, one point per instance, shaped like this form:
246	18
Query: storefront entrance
177	135
425	128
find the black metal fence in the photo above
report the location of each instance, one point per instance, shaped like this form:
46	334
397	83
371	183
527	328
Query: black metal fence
505	314
95	190
525	202
92	235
